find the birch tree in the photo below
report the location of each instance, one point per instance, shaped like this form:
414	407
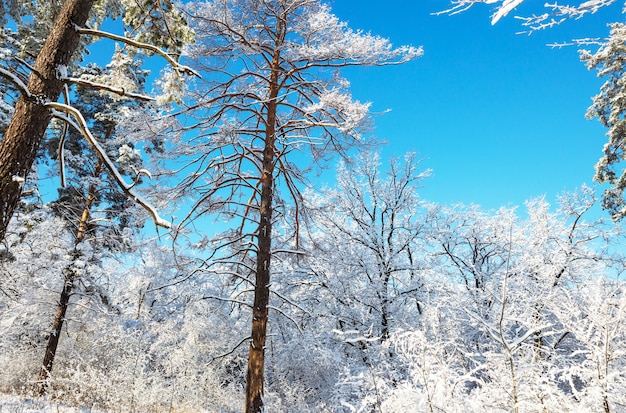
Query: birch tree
273	94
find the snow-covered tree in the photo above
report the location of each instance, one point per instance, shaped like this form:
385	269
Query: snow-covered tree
515	338
95	212
272	92
38	58
609	106
367	245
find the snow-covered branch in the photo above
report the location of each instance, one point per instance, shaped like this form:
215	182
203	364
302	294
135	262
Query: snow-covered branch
81	126
11	77
556	13
140	45
100	86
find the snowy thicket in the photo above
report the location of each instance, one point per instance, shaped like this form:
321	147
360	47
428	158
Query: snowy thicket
397	306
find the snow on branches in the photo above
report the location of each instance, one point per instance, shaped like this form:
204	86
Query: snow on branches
555	13
609	106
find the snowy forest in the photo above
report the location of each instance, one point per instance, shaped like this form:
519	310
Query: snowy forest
167	243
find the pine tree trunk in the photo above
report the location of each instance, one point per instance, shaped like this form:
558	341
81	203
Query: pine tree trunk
22	139
256	356
69	278
57	326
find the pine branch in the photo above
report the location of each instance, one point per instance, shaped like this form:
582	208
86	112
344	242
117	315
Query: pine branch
146	46
100	86
81	126
11	77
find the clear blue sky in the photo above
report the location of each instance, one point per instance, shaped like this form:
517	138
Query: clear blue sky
499	117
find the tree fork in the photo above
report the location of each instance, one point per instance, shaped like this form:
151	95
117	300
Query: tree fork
22	139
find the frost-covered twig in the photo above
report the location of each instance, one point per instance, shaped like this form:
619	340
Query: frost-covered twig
285	299
589	41
228	300
555	15
81	126
287	316
233	350
140	45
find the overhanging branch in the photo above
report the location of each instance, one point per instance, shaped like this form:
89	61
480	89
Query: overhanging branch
100	86
146	46
81	126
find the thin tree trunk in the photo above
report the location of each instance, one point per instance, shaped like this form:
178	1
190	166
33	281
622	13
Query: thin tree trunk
256	355
22	139
69	278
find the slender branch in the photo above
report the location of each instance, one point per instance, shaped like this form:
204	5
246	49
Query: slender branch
10	76
228	300
81	126
282	297
100	86
233	350
61	148
147	46
288	317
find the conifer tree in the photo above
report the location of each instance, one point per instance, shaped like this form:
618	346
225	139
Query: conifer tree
52	37
273	90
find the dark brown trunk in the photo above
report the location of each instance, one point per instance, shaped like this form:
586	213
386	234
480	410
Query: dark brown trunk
256	356
21	141
69	277
57	326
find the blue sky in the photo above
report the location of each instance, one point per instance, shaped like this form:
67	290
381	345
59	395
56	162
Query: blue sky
499	117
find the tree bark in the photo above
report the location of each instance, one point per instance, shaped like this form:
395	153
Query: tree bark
255	376
22	139
256	355
69	278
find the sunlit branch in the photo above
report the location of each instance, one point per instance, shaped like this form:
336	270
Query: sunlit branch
81	126
100	86
11	77
140	45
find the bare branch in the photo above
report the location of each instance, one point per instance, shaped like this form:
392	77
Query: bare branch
228	300
233	350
